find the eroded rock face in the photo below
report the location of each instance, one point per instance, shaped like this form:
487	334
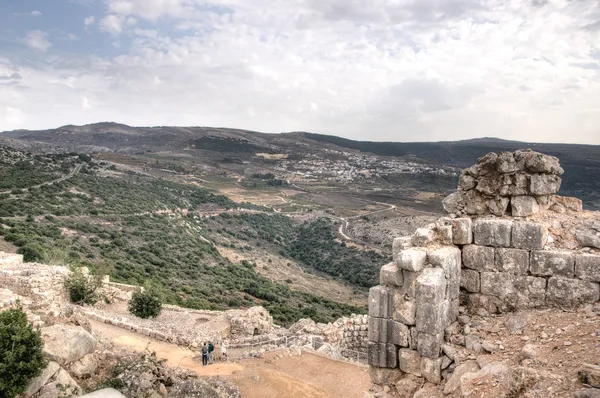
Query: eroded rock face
519	183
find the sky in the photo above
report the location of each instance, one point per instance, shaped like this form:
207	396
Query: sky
380	70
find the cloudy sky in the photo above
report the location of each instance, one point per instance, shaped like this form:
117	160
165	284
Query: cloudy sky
401	70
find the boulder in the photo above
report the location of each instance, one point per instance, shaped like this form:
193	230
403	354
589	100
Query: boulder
36	384
496	380
391	275
411	260
85	367
61	385
384	376
545	184
67	343
524	206
453	382
409	361
590	374
450	203
407	386
431	369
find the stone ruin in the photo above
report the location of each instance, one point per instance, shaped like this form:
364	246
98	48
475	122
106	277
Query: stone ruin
509	243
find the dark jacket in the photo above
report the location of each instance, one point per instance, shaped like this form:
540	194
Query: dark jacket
211	347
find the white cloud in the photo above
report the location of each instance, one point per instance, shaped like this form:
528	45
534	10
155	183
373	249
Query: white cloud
112	24
37	40
36	13
89	21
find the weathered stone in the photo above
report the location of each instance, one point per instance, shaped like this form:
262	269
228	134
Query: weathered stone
524	206
414	334
572	204
590	374
379	302
449	259
431	369
409	361
545	184
466	182
489	186
385	376
407	386
431	287
450	203
540	163
478	257
423	237
497	284
571	292
552	263
65	343
411	260
453	382
587	267
36	384
475	204
529	351
514	261
404	308
378	330
529	235
382	355
391	275
462	231
104	393
495	233
400	244
506	163
398	333
498	206
66	383
450	352
588	238
469	280
85	367
587	393
429	345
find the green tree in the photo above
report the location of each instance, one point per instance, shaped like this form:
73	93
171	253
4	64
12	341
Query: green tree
146	303
21	356
82	289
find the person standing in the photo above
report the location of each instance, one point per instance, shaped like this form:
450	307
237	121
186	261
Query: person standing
204	354
211	348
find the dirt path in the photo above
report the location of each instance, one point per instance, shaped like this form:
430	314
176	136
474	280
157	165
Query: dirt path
308	375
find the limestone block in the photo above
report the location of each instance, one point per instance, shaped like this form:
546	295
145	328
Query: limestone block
514	261
410	361
398	333
477	257
449	259
462	231
495	233
431	369
379	302
104	393
411	260
466	181
385	376
66	343
391	275
469	280
400	244
536	162
497	284
498	206
572	204
507	163
552	263
444	234
37	383
535	289
571	292
62	379
431	287
587	267
450	202
529	235
430	345
474	202
524	206
378	332
545	184
409	288
404	309
85	367
414	334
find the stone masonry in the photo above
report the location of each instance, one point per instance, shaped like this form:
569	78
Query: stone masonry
505	246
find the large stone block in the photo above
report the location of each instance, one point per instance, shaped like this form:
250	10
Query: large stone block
391	275
497	284
524	206
382	355
430	345
571	292
514	261
431	369
462	231
478	258
552	263
529	235
495	233
404	309
410	361
378	330
449	259
469	280
545	184
431	288
423	237
385	376
379	302
411	260
587	267
67	343
398	333
400	244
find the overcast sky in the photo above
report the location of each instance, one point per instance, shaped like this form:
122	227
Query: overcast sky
399	70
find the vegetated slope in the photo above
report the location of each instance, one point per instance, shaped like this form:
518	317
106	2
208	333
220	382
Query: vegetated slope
130	227
581	162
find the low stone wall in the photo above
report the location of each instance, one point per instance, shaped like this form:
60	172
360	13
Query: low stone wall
9	259
355	330
43	283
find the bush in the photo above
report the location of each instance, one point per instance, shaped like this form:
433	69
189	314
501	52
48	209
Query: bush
146	304
30	253
82	289
20	353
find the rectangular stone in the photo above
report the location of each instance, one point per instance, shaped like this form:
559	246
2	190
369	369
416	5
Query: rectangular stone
414	334
382	355
587	267
524	206
404	308
514	261
478	258
411	260
529	235
431	369
398	333
400	244
409	288
552	263
571	292
429	345
469	280
462	231
378	331
409	361
496	233
535	291
431	288
449	259
497	284
391	275
379	302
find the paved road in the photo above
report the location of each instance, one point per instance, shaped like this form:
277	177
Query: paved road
63	178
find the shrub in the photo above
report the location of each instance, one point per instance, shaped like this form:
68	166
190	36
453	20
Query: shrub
20	353
30	253
82	289
145	304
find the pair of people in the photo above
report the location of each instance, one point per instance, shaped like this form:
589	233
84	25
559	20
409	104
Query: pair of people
207	351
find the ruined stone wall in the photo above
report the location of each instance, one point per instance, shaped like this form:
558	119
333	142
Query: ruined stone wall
43	283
